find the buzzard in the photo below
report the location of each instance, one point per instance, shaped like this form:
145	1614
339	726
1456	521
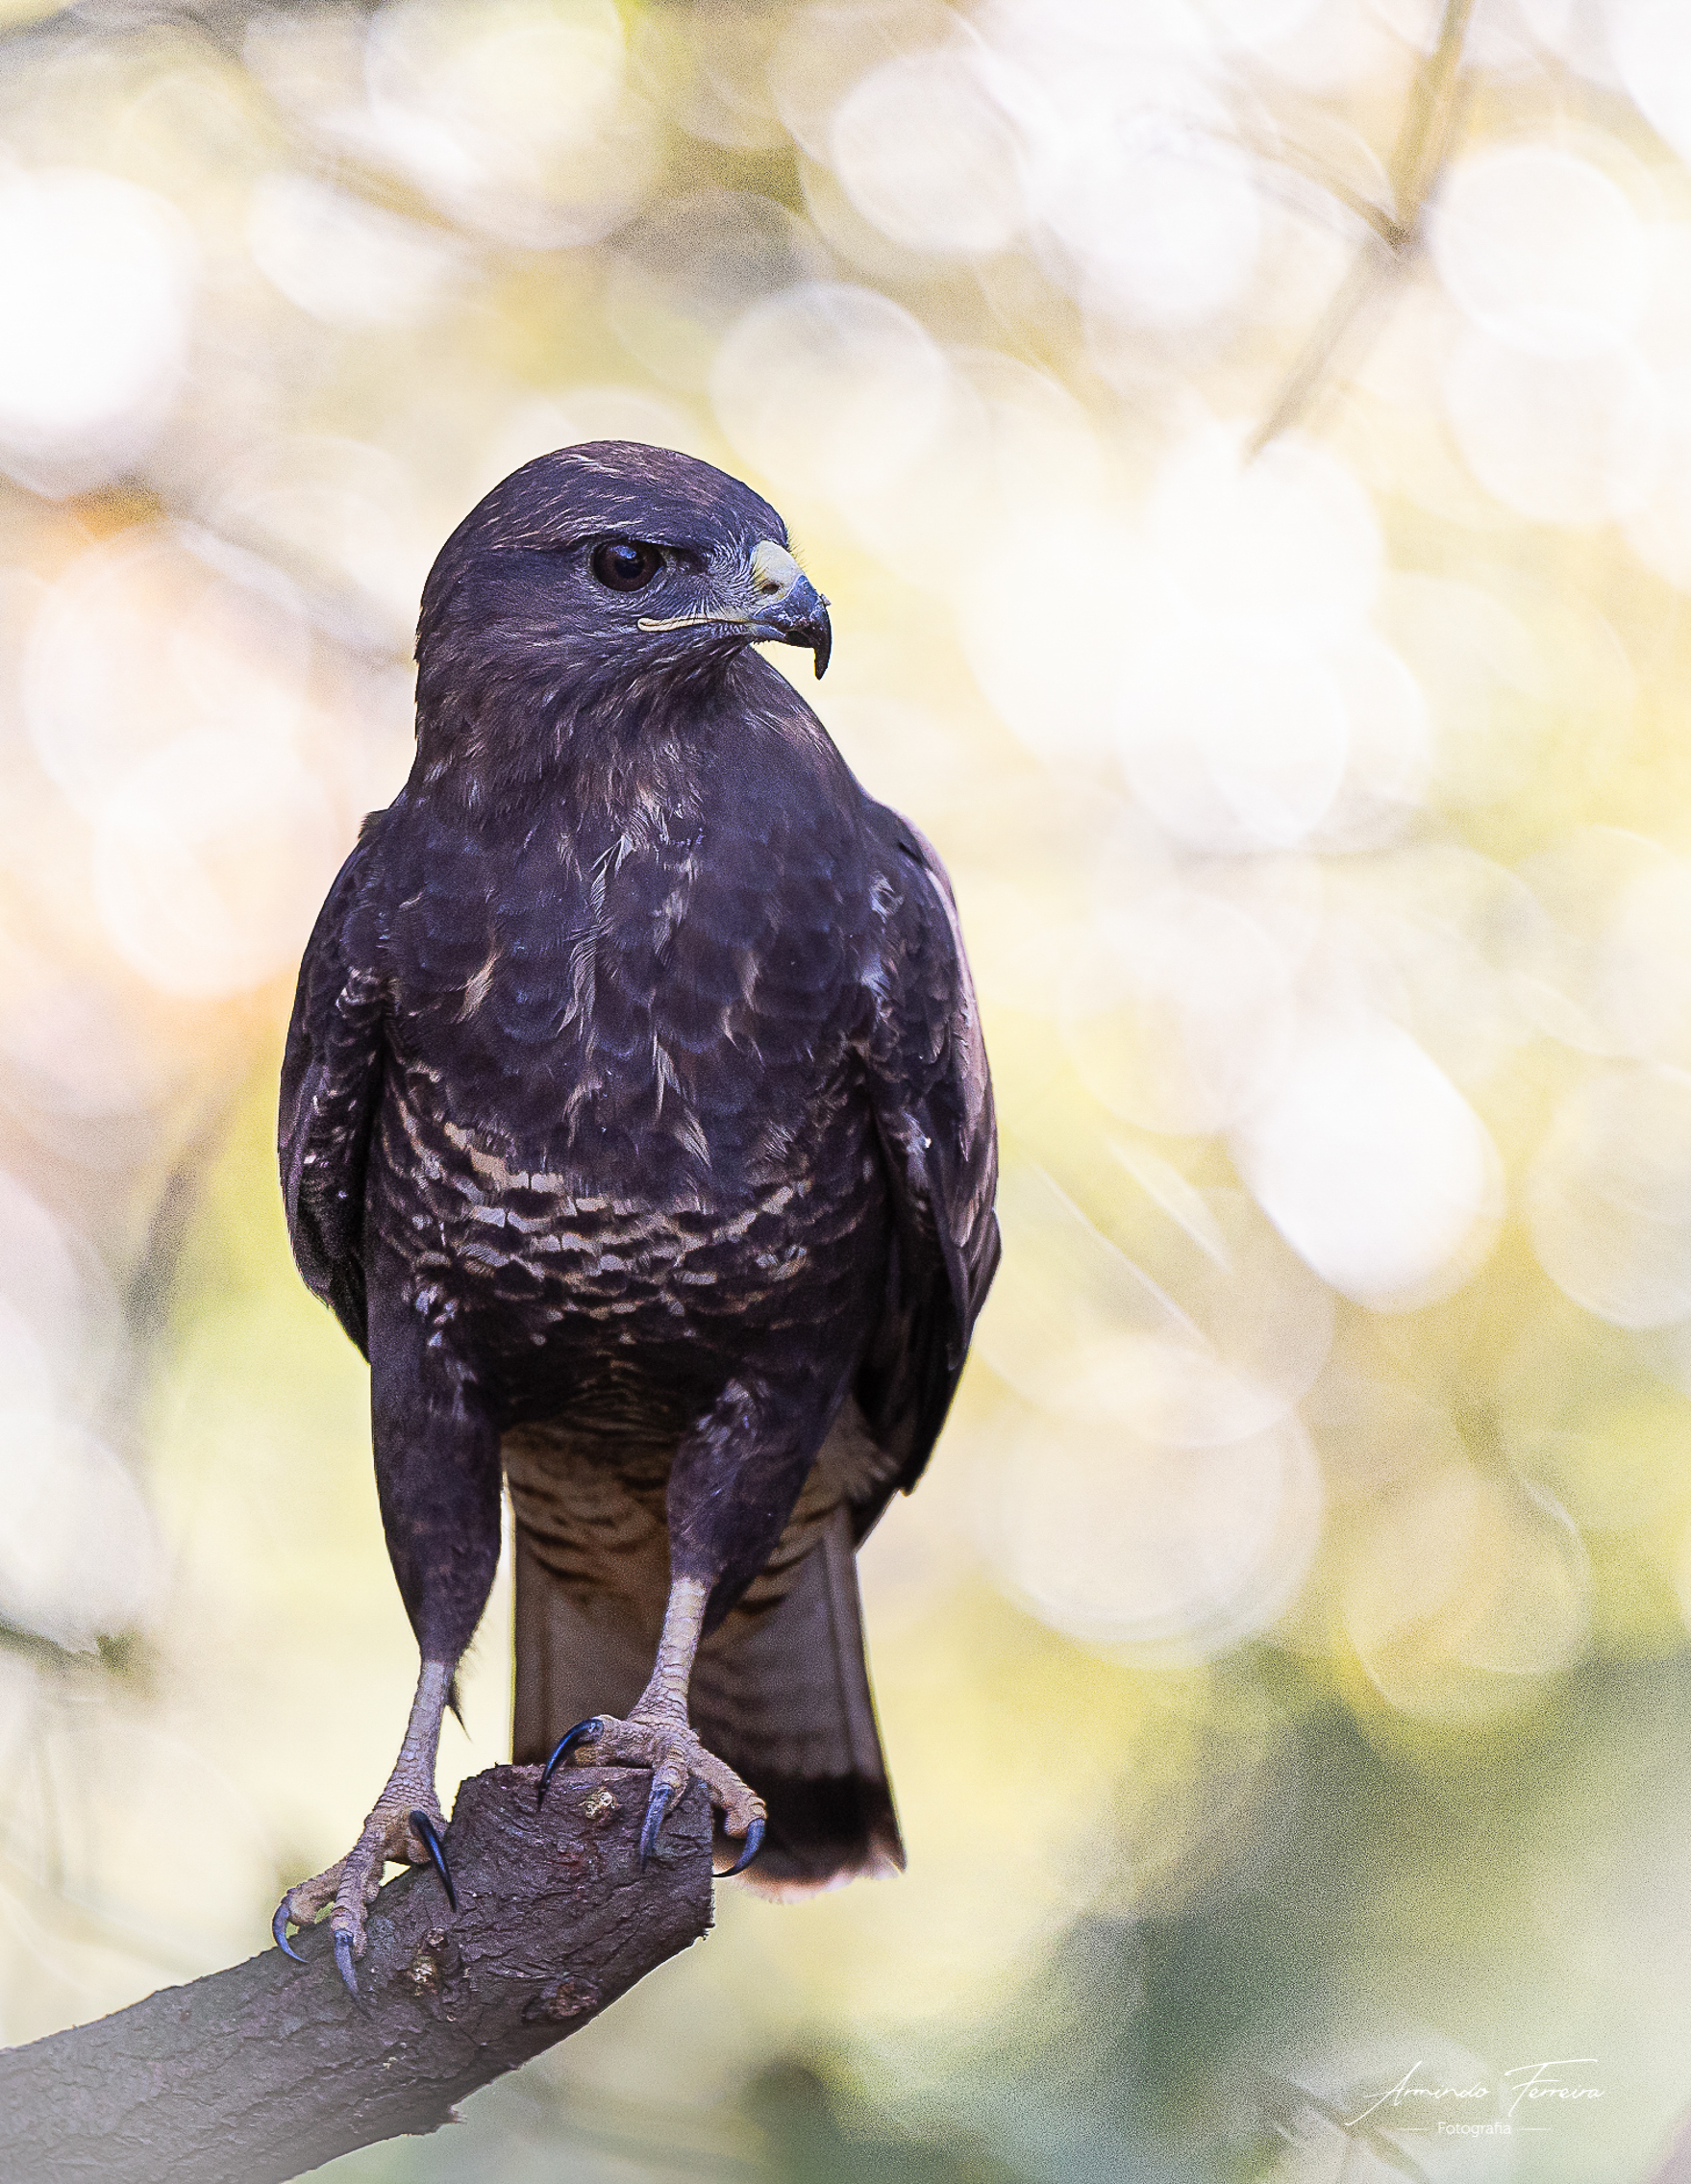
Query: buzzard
635	1123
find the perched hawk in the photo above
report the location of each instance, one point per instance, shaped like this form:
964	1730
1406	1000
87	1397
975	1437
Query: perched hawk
636	1123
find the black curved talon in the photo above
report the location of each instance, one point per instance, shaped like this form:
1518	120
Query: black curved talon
657	1805
424	1829
583	1732
343	1959
754	1843
278	1928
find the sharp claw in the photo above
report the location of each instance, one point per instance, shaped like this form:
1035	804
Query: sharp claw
583	1732
754	1843
657	1805
278	1928
423	1828
343	1959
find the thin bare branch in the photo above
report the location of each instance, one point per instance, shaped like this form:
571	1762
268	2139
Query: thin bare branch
1418	161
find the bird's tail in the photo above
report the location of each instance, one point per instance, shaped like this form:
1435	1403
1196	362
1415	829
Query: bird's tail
783	1695
780	1691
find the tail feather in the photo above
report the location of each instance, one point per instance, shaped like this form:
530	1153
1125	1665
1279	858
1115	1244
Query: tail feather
784	1697
577	1653
781	1692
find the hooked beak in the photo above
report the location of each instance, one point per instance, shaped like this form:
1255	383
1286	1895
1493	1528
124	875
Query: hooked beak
789	610
781	607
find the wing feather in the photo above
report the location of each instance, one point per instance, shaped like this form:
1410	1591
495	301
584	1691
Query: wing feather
330	1083
932	1093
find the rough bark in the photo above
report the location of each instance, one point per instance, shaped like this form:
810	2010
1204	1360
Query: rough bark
269	2069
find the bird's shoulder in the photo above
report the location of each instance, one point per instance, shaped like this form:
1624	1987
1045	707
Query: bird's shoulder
920	968
344	950
931	1091
331	1079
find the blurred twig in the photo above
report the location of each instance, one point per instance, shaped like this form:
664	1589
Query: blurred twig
1676	2169
52	1905
1286	2102
1395	229
271	2068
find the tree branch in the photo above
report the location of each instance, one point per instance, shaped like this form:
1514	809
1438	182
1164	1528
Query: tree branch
269	2069
1417	162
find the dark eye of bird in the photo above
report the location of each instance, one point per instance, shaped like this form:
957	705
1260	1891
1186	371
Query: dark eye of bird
622	565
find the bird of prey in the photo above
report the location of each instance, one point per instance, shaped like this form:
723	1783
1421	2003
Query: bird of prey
636	1123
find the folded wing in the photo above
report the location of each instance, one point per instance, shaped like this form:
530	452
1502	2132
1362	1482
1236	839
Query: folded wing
933	1100
331	1084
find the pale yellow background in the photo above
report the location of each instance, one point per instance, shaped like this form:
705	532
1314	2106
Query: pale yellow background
1283	1666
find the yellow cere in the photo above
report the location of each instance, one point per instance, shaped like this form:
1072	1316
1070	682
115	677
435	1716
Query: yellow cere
772	568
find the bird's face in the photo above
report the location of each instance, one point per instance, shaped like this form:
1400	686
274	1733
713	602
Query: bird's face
612	565
734	592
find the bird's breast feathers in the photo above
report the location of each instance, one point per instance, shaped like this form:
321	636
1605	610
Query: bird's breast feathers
623	1073
645	1249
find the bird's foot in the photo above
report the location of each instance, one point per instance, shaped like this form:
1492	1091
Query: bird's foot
404	1829
665	1743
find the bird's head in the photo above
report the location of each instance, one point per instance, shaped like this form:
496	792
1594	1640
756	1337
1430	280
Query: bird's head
609	570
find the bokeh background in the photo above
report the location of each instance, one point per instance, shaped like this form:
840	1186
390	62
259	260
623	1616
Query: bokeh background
1247	444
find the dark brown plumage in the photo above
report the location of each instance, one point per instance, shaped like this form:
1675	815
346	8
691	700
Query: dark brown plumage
636	1122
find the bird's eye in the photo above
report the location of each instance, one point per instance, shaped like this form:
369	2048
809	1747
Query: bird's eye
622	565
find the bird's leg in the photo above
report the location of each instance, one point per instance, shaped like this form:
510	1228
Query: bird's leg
438	1478
404	1827
437	1482
733	1484
658	1734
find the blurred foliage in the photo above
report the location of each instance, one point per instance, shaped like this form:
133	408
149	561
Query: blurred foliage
1248	445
